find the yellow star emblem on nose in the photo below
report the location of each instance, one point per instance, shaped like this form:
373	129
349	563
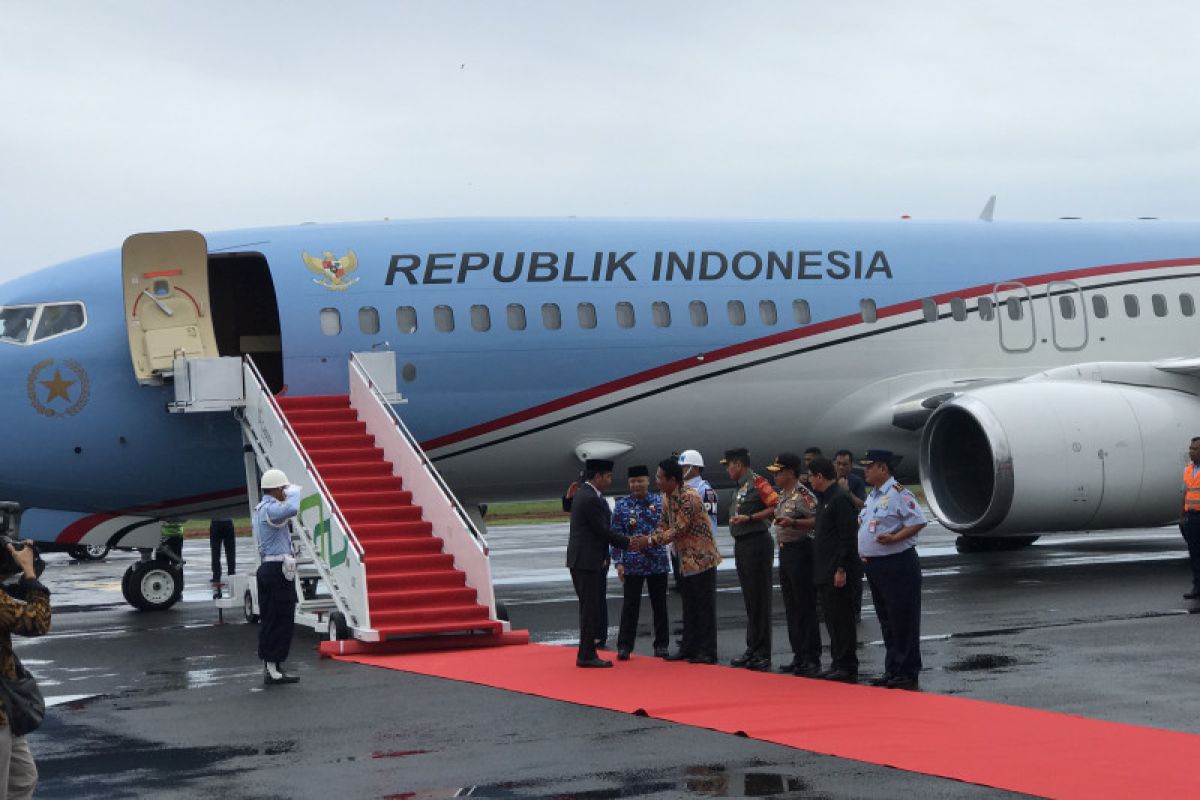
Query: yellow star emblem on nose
58	387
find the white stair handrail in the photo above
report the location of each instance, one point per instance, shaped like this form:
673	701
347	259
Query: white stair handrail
429	489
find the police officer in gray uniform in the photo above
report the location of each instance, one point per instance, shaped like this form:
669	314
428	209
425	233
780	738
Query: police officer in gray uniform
887	542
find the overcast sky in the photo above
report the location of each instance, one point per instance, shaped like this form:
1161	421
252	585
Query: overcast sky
121	117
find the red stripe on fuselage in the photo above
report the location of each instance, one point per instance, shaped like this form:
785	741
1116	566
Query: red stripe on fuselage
774	339
81	527
74	532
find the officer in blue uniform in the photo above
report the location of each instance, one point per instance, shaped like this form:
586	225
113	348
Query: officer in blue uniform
272	524
887	540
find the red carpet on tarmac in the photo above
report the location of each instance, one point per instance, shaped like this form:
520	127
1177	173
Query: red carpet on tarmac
1007	747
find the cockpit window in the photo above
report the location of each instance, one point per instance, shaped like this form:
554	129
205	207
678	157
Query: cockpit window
31	324
16	322
59	319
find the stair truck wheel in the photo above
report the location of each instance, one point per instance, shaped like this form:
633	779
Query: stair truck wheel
502	612
248	608
90	552
339	631
153	585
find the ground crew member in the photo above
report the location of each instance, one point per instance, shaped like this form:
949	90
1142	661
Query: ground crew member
638	514
587	554
1189	516
693	465
887	540
753	553
222	535
836	568
276	575
685	525
794	533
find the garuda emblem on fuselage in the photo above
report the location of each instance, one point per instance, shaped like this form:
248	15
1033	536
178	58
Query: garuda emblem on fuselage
333	270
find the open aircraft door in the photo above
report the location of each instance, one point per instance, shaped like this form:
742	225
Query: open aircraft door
167	310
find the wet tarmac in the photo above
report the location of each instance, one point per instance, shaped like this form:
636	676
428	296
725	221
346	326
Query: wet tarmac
172	704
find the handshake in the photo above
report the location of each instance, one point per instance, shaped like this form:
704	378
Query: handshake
639	543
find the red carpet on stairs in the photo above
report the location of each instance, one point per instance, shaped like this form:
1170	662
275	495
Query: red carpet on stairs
412	586
1006	747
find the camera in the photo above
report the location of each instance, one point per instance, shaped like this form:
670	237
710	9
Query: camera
10	528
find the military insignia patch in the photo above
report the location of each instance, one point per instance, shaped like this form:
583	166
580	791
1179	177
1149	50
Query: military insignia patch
333	271
55	394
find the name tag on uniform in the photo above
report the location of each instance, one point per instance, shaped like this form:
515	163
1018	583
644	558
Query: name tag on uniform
872	526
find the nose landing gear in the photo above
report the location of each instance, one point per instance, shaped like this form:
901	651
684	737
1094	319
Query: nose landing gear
155	583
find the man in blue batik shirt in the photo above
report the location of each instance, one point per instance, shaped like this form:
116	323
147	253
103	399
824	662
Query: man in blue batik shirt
637	513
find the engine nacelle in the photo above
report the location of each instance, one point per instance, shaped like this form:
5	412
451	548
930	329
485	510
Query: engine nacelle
1055	455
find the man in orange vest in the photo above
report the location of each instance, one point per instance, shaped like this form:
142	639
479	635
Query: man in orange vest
1189	516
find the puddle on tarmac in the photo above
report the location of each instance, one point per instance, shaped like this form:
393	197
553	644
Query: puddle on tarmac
91	763
981	661
705	780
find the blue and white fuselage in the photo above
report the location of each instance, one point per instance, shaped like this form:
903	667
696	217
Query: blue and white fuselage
523	343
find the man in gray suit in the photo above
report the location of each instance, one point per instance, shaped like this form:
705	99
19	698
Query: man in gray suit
587	552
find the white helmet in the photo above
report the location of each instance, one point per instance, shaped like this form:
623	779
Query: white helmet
691	458
273	479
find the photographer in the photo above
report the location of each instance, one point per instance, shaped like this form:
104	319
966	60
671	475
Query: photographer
25	610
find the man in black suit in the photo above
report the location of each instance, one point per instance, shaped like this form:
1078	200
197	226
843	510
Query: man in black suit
587	554
836	568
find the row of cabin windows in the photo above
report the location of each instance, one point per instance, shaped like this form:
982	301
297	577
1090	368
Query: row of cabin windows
515	317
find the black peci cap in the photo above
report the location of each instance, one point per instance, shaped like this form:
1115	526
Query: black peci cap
594	465
639	471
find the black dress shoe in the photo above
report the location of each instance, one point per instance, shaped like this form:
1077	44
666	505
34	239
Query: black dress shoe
622	655
759	664
593	663
790	666
660	652
840	675
271	680
1194	594
678	655
811	670
904	682
702	660
742	660
882	680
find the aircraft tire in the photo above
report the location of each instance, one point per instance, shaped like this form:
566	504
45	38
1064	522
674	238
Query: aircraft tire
152	585
126	592
90	552
338	630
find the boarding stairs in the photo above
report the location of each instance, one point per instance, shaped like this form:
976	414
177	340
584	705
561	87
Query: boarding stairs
398	555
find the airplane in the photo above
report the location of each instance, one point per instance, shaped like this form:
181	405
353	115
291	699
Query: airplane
1035	376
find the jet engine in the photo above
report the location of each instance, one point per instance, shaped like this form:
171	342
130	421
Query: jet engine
1052	455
